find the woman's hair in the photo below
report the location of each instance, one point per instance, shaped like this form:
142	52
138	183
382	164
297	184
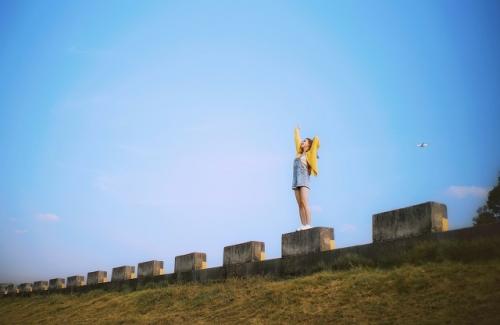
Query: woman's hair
310	144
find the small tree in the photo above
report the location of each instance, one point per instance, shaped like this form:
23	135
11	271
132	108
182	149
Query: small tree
490	212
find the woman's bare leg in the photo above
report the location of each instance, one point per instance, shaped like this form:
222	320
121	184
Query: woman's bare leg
304	198
302	212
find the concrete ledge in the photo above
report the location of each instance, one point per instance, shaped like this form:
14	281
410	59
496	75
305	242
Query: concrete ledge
252	251
190	262
75	281
57	283
317	239
97	277
411	221
149	269
40	286
379	253
122	273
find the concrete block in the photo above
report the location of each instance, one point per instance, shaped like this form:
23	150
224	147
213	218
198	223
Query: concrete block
190	262
12	289
25	288
97	277
57	283
3	288
313	240
410	221
75	281
150	269
252	251
40	286
122	273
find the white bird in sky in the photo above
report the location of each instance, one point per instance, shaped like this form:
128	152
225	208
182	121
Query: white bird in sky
422	145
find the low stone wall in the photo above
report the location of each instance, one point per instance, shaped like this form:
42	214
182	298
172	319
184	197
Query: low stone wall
374	253
306	251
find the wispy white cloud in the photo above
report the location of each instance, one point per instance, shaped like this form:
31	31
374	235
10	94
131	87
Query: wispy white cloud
20	231
47	217
460	191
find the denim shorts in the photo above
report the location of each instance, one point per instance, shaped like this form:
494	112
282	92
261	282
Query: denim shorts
300	175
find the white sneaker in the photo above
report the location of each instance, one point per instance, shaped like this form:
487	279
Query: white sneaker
307	227
300	228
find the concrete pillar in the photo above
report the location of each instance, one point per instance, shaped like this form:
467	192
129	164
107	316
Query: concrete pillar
410	221
252	251
122	273
75	281
150	269
57	283
3	288
313	240
40	286
25	288
190	262
12	289
97	277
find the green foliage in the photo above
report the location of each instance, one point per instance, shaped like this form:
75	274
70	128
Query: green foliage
490	212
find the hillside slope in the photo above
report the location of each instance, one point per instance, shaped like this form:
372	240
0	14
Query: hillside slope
435	292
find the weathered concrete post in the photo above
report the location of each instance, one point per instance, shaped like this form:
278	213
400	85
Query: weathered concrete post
149	269
57	283
122	273
75	281
252	251
313	240
39	286
3	288
190	262
97	277
410	221
12	289
25	288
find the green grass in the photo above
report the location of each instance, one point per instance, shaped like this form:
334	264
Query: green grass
434	293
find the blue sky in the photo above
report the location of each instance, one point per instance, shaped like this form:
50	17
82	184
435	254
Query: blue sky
138	130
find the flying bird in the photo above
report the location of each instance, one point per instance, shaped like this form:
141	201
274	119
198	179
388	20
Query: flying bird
422	145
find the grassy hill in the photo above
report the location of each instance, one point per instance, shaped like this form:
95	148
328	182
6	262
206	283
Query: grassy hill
437	286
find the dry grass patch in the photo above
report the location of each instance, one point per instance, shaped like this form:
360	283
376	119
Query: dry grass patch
434	293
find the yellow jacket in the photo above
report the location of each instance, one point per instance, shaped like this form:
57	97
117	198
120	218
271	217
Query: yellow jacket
311	155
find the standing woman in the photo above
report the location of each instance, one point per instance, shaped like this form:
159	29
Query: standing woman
305	164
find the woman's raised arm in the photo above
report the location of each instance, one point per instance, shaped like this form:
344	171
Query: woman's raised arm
297	139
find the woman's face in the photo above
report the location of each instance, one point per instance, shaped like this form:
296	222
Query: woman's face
305	145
